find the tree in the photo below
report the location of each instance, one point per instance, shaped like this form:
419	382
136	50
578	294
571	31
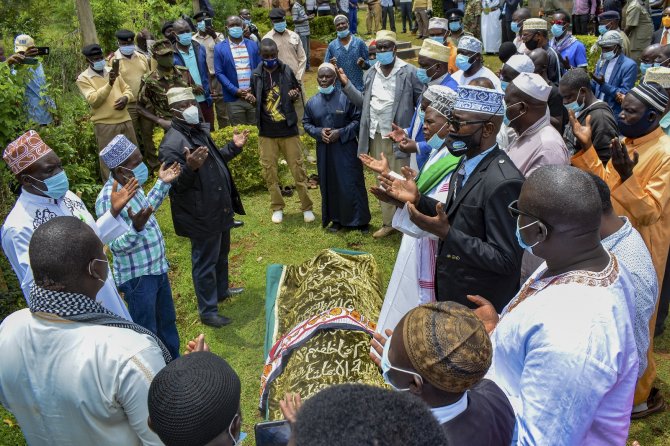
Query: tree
86	23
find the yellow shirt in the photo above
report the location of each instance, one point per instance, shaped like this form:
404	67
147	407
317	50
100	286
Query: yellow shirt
101	96
422	4
291	51
132	69
644	197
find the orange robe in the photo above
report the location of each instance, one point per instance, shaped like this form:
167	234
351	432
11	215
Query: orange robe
645	199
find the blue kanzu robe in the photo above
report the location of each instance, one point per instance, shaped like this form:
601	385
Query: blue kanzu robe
344	199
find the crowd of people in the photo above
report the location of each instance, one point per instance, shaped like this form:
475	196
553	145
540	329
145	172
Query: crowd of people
533	204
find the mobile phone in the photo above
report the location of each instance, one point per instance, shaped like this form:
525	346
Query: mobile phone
208	23
30	61
272	433
42	50
115	65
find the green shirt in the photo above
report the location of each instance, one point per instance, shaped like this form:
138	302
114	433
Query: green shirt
155	86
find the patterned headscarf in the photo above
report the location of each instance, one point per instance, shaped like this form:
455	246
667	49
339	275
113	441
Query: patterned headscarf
447	345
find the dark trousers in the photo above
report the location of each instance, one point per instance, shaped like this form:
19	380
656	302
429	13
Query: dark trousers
353	20
580	24
150	305
507	34
388	11
207	113
406	13
209	258
664	299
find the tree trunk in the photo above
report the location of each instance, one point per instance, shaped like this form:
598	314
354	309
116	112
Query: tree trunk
86	24
196	6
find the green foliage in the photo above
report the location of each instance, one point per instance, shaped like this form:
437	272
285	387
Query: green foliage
592	50
107	18
321	28
12	109
63	65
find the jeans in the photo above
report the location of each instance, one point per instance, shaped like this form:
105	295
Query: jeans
150	305
305	46
388	11
209	259
353	20
406	13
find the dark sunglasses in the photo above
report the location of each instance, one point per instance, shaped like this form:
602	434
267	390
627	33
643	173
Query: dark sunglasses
515	212
457	125
559	22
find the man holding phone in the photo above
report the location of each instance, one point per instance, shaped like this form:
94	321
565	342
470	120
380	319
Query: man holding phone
36	100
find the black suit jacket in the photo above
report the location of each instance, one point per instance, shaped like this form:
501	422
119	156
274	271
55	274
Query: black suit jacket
658	35
480	254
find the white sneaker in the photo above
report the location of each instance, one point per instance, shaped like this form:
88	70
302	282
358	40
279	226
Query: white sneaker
309	216
277	216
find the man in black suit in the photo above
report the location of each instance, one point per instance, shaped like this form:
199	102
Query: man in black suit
662	34
478	251
508	9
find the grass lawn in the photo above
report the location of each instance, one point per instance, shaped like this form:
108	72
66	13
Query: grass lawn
260	243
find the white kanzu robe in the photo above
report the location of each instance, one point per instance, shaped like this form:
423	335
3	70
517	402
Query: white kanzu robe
491	26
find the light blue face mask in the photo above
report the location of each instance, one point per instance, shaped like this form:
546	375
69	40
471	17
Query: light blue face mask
327	90
242	436
140	172
247	22
57	185
557	30
575	106
644	67
422	114
454	26
99	65
235	32
387	367
609	55
422	74
519	239
515	27
602	29
343	34
435	142
503	85
280	27
385	57
463	62
185	39
127	50
438	39
201	26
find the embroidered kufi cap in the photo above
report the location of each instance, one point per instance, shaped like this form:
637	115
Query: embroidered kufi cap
389	36
117	151
652	95
193	399
447	345
444	100
24	151
438	23
479	100
533	85
434	50
534	24
521	63
660	75
470	43
178	94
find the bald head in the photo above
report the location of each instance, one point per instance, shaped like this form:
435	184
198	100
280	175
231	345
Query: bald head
540	59
563	197
482	82
61	250
521	14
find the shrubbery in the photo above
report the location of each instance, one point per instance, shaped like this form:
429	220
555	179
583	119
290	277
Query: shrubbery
321	28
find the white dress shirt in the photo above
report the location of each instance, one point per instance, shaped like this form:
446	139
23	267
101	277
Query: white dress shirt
382	98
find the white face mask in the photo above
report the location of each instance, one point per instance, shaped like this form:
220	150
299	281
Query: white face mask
190	114
90	271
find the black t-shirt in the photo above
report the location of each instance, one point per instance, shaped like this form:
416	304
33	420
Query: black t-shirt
272	120
557	109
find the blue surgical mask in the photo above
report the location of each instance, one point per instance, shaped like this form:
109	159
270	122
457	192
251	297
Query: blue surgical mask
342	34
519	239
422	114
515	27
327	90
247	22
438	39
435	142
385	57
463	62
557	30
235	32
503	85
140	172
387	367
57	185
201	26
508	121
575	106
644	67
270	63
99	65
454	26
184	39
242	436
602	29
609	55
280	27
422	75
127	50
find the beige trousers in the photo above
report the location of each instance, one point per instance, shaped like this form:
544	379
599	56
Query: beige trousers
379	145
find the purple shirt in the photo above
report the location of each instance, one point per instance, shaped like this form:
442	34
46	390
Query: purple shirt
581	7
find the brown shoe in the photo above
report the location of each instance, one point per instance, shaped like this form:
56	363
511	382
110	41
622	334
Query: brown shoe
655	403
383	232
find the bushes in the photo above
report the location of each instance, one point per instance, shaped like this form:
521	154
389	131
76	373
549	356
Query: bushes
321	28
592	50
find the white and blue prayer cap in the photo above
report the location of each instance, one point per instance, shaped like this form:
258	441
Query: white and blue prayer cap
470	43
117	151
610	38
521	63
444	100
433	90
480	100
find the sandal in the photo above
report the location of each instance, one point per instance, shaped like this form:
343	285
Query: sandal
286	191
313	181
655	403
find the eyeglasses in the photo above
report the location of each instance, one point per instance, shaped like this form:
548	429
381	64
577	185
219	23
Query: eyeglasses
456	125
515	212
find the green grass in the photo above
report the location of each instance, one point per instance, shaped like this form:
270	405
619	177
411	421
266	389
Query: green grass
260	243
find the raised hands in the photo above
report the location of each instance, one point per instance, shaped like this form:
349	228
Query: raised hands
289	406
197	345
240	138
196	158
402	190
397	134
169	174
141	218
377	344
583	132
438	225
120	198
621	159
380	166
344	80
485	311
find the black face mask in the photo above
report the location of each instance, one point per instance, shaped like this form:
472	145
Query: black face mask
532	44
638	129
458	144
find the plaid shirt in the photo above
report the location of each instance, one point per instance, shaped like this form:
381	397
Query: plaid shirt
142	253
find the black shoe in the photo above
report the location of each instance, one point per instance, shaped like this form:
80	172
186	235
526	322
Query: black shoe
237	224
215	321
230	292
365	229
334	227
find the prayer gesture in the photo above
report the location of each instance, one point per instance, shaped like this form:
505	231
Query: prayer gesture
398	133
195	159
330	136
438	225
120	198
250	98
344	80
240	138
169	174
377	344
402	190
289	407
197	345
486	312
621	159
583	133
141	218
380	166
